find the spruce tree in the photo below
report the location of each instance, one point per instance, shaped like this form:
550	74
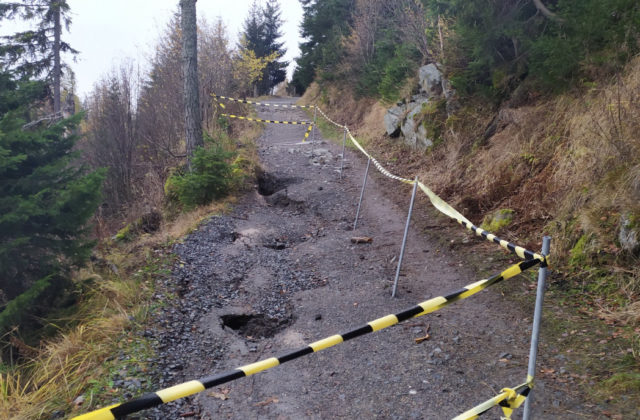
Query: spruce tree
252	36
47	195
36	52
276	70
261	34
323	26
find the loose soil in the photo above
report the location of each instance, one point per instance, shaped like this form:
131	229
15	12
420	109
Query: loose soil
281	271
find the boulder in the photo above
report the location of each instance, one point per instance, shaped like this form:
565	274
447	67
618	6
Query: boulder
393	119
430	79
628	236
415	135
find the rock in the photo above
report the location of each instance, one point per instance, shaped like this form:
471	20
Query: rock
393	119
415	135
361	240
430	80
628	235
497	220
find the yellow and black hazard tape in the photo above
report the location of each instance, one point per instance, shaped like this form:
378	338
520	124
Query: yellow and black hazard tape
244	101
443	206
377	164
240	117
447	210
306	135
509	399
193	387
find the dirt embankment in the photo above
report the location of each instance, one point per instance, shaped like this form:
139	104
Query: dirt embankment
281	271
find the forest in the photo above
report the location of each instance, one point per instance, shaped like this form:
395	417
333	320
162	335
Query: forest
94	191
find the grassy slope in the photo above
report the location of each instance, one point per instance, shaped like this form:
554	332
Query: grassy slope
568	166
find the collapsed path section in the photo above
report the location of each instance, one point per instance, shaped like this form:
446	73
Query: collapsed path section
301	221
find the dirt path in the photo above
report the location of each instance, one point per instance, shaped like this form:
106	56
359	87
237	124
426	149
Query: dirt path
281	272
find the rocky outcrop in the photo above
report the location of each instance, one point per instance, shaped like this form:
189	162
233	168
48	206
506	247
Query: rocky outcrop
430	80
393	120
415	134
404	118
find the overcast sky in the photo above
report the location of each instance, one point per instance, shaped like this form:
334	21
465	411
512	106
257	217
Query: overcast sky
108	31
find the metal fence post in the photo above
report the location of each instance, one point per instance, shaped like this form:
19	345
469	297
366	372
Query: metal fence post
404	238
535	332
315	121
364	185
344	148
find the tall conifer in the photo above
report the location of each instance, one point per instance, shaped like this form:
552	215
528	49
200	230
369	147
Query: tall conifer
46	194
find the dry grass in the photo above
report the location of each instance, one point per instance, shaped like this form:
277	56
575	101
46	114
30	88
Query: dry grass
61	368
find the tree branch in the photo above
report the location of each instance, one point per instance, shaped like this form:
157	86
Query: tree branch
548	13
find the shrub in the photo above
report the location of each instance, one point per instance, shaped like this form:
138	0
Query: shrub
209	179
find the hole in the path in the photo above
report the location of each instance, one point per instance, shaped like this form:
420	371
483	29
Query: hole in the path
269	184
253	325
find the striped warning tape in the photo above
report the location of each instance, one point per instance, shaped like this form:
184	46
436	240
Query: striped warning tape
306	134
193	387
244	101
240	117
509	399
446	209
443	206
326	117
377	164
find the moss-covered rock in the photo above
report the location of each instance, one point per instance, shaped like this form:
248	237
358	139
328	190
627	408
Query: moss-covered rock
125	234
578	255
497	220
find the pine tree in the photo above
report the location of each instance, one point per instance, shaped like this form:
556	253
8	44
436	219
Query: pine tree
36	52
46	194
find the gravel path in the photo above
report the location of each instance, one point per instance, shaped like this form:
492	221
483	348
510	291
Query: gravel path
281	272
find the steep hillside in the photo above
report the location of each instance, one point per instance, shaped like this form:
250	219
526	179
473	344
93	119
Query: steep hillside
567	166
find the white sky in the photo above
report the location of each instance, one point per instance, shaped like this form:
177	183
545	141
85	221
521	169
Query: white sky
109	32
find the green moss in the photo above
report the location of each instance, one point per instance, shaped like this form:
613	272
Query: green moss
497	220
577	255
125	234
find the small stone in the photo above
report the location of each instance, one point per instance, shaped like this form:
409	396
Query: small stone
318	317
505	355
412	392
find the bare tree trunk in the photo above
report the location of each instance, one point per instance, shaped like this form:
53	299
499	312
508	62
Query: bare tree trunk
57	29
192	117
